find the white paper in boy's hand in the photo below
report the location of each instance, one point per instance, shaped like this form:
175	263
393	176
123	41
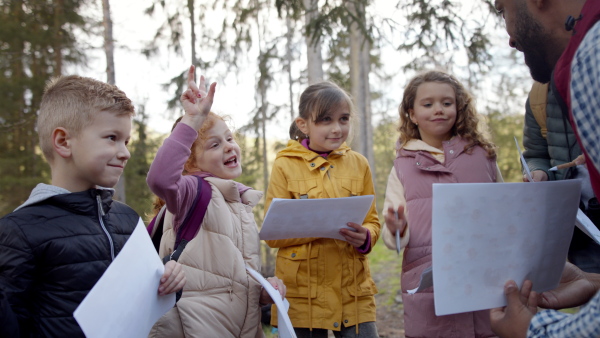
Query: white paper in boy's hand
484	234
318	217
284	328
125	301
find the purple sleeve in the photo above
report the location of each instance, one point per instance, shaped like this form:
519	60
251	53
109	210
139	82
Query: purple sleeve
165	177
366	247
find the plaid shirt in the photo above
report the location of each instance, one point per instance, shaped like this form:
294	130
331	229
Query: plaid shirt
585	93
551	323
585	102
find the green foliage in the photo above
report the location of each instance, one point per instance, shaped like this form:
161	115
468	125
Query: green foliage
384	144
438	32
37	38
387	264
142	150
504	128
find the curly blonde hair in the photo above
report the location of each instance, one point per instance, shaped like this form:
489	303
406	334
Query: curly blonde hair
467	124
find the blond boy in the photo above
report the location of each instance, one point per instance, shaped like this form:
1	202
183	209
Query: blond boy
55	246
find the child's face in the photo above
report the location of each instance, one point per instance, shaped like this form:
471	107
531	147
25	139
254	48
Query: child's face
99	153
434	112
219	154
329	133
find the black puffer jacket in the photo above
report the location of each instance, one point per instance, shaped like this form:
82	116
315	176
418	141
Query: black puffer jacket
54	251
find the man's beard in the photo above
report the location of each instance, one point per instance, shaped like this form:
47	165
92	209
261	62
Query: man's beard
536	45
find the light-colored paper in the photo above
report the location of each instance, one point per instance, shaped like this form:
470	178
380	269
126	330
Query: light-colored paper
485	234
587	226
319	217
425	281
284	324
523	162
125	301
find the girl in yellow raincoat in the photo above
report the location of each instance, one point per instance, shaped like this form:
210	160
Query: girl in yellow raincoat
329	284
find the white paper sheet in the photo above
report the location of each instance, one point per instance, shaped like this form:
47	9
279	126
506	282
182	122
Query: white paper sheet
125	301
587	226
524	163
319	217
485	234
284	328
425	281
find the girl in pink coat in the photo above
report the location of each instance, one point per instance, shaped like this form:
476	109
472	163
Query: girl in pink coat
439	143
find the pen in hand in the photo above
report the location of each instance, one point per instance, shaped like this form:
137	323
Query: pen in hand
579	160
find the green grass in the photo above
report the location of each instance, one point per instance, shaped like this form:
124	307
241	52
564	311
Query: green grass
386	267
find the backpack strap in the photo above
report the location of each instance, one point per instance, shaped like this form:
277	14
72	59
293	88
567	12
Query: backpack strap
190	225
538	99
193	220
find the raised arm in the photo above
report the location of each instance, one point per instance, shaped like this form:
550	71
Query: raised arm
165	177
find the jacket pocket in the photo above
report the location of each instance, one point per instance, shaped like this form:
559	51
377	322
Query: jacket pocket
351	186
303	188
364	282
292	268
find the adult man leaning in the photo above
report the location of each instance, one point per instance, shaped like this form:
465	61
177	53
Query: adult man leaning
560	40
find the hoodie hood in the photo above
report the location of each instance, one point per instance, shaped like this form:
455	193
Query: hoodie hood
44	191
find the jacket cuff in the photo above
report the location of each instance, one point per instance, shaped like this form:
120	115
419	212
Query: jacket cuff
366	247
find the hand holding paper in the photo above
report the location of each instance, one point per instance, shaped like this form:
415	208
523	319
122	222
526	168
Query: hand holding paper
356	237
172	280
125	302
319	217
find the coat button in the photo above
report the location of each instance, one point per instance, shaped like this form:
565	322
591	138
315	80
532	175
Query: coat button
331	166
346	321
322	168
293	255
312	164
451	151
336	324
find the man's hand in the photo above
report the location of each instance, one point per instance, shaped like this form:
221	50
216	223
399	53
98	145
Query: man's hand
513	319
575	288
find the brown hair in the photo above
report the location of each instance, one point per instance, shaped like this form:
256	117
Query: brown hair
316	102
467	120
72	102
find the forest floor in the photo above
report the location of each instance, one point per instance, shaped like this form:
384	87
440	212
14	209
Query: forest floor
385	270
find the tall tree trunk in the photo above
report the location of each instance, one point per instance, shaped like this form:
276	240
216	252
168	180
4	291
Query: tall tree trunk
110	77
359	81
289	59
313	46
190	5
58	40
108	43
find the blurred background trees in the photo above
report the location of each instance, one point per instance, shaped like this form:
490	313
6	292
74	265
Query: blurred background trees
367	47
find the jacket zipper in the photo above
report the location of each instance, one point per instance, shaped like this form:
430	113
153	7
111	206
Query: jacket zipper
100	215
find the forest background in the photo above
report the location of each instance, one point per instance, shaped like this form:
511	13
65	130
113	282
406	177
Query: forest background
263	53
